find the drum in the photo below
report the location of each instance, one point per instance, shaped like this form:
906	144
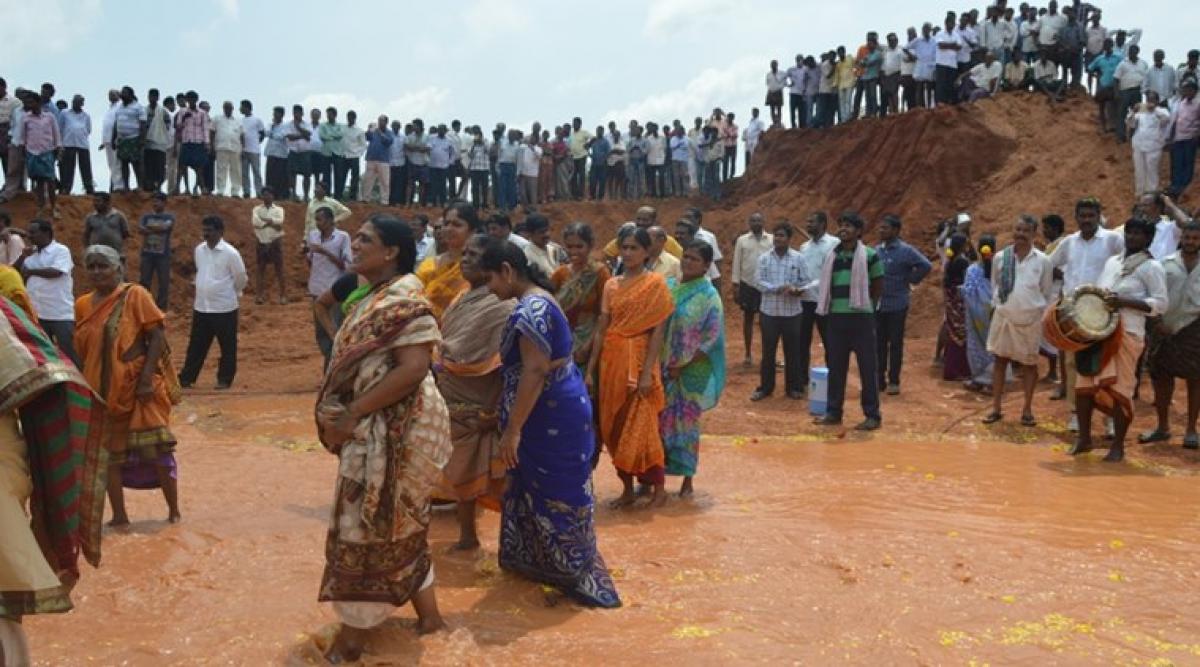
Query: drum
1085	316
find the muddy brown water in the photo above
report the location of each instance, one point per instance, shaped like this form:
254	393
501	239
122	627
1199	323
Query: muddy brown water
814	548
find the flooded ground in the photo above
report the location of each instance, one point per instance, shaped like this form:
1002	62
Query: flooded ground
936	541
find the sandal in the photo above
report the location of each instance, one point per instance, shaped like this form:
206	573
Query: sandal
1028	421
1153	436
993	418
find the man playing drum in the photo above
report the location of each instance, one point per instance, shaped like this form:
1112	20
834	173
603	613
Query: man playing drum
1137	287
1175	340
1078	260
1023	282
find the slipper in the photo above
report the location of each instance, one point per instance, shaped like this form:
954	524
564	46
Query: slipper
1028	421
993	418
1153	436
1191	441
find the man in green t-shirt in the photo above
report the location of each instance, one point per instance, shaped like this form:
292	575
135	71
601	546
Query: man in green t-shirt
851	284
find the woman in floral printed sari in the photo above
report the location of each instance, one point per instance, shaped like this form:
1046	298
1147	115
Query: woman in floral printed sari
977	300
380	412
578	287
634	311
693	363
546	527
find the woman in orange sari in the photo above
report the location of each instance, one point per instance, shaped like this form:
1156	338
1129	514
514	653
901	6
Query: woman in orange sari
634	310
121	341
442	274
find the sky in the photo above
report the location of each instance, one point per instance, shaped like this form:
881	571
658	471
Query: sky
479	61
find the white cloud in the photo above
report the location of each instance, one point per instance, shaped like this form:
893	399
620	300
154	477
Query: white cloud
229	8
428	104
665	17
491	18
40	28
735	87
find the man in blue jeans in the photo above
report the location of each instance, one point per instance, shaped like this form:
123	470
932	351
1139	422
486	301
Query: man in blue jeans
851	284
599	148
903	267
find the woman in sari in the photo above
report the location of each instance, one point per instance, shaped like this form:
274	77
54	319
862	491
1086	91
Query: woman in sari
977	301
954	356
547	528
693	363
380	412
441	274
120	339
634	310
50	465
578	287
468	375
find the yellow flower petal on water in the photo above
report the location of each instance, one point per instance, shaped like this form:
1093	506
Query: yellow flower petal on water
952	637
890	466
1115	576
1008	599
692	632
1116	544
953	533
930	475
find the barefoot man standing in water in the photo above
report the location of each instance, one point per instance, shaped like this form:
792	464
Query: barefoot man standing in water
1137	287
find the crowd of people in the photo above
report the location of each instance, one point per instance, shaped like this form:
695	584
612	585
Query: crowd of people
179	144
478	361
1149	103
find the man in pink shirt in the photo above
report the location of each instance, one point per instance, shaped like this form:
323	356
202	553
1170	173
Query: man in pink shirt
42	145
1185	135
193	126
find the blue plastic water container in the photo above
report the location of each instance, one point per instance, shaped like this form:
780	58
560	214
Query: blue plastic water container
818	391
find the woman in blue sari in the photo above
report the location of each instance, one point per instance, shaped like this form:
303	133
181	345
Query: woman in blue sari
977	297
547	438
693	360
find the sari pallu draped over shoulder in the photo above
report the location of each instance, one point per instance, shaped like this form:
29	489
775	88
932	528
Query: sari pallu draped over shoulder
443	281
694	342
376	550
58	412
468	375
628	420
579	297
110	335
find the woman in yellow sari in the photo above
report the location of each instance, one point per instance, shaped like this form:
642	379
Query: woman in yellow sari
442	274
380	413
120	339
12	287
634	310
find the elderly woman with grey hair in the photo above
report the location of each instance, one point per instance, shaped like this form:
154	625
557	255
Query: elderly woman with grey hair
122	345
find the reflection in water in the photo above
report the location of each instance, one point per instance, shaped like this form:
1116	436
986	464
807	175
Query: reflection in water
794	549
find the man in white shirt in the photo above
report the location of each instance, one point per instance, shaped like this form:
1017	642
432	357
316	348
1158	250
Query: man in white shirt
746	251
889	83
812	254
752	133
1173	354
776	80
320	200
76	138
922	53
46	266
328	256
948	44
796	83
1078	260
982	81
267	221
1137	288
160	139
12	241
354	147
1048	26
1023	283
398	180
541	251
110	151
227	139
298	133
529	159
253	134
702	234
1161	78
220	279
1130	77
499	227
